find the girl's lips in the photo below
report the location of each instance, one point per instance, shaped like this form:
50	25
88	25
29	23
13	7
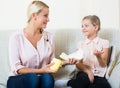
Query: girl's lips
45	23
85	31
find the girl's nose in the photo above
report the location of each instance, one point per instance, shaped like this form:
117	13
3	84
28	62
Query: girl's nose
48	19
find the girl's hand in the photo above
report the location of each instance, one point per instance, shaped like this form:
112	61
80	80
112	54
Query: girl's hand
71	61
98	53
90	75
102	56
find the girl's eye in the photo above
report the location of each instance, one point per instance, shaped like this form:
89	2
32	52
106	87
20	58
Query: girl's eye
46	15
86	25
82	26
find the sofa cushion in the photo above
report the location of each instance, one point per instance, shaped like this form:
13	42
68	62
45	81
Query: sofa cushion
63	75
61	83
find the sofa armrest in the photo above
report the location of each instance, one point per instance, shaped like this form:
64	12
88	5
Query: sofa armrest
114	78
112	61
2	85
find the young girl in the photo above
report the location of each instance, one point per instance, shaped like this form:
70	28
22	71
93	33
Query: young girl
93	66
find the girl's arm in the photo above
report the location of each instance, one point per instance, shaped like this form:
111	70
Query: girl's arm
86	69
102	56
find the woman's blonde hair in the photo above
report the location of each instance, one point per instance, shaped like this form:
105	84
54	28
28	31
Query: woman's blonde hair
35	7
94	20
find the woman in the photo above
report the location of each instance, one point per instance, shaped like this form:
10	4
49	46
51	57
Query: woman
31	51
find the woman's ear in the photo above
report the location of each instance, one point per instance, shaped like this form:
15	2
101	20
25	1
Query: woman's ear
34	16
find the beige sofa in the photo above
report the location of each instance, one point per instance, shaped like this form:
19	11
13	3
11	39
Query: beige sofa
65	41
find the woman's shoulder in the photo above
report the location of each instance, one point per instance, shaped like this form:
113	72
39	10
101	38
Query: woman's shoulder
17	33
48	34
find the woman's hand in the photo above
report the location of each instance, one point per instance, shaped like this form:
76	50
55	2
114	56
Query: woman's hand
46	69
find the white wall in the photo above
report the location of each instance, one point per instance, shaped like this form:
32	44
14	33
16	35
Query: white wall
64	14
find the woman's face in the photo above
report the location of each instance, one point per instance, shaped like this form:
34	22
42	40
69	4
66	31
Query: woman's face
88	29
42	18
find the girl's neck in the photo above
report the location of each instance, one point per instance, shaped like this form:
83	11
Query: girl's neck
92	37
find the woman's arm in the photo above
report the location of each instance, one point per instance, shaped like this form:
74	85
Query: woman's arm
45	69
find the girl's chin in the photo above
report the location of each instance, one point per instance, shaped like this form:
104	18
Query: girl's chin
44	27
85	34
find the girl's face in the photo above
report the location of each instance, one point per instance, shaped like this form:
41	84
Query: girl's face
42	18
88	29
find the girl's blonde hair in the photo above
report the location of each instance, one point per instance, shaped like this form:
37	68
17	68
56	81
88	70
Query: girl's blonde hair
94	20
35	7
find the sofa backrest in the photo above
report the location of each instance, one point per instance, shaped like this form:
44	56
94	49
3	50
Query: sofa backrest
4	63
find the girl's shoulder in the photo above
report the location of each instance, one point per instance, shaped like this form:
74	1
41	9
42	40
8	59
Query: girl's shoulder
80	44
103	40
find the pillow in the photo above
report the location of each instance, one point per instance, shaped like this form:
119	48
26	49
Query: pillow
112	61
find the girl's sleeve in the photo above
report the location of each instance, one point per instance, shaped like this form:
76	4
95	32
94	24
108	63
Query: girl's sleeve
79	45
106	44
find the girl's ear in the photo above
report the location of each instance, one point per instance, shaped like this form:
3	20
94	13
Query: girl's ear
96	27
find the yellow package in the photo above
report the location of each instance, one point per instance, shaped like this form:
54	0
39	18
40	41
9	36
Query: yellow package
57	64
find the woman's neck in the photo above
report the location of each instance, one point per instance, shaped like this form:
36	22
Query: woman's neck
32	30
